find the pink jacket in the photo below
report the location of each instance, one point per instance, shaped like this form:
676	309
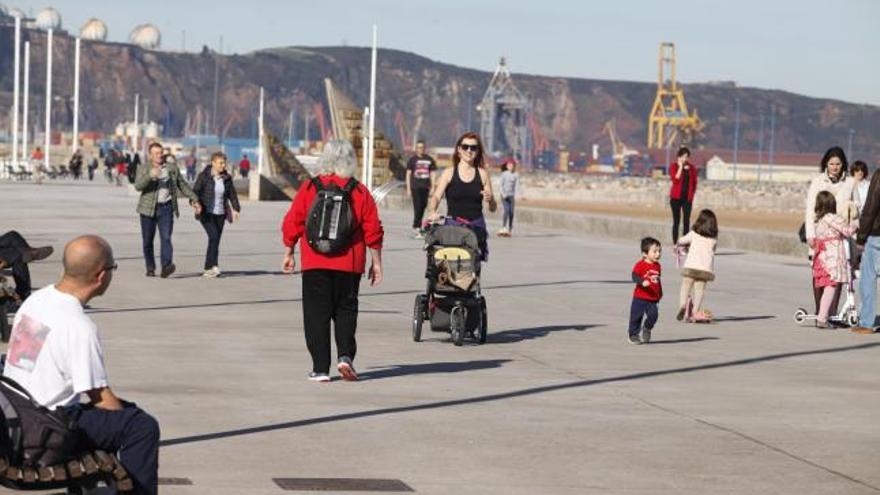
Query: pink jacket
701	252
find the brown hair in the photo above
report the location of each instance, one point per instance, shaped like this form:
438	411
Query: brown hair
706	224
218	154
825	204
154	144
478	160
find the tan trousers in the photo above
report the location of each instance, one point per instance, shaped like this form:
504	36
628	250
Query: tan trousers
699	289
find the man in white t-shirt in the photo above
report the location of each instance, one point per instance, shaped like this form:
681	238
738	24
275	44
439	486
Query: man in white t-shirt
56	355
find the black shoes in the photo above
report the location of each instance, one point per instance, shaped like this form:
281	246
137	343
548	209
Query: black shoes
37	254
167	270
151	273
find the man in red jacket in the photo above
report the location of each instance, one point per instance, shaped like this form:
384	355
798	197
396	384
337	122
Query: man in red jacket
330	283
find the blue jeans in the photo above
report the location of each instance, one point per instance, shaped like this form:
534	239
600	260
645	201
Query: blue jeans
639	311
508	202
213	225
868	282
131	433
164	220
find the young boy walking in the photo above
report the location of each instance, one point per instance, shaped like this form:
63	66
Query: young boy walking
647	294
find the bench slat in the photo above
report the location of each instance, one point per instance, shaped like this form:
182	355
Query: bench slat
105	460
59	473
89	463
45	474
75	469
29	475
126	485
13	473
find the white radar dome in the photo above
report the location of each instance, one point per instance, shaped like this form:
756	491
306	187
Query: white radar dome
48	18
146	36
94	29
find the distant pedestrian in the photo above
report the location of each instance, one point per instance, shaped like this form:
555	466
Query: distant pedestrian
93	165
220	204
331	277
420	177
698	269
75	165
159	184
830	264
190	164
868	240
647	293
244	166
681	194
509	186
860	184
833	177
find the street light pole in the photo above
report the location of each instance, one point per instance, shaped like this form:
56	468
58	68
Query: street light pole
76	96
736	141
48	98
16	68
25	89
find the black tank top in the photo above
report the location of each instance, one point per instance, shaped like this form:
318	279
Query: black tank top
465	199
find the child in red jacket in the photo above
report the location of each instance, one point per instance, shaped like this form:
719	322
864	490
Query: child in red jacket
647	294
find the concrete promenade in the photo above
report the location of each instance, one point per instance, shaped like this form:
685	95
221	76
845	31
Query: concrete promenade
555	403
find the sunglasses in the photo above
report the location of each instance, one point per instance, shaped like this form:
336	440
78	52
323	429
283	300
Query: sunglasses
470	147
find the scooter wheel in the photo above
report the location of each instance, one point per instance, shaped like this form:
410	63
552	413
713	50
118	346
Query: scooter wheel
800	316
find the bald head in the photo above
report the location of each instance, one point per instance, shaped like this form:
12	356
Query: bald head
85	256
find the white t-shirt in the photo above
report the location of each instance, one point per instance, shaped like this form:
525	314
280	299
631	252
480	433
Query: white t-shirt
219	192
54	350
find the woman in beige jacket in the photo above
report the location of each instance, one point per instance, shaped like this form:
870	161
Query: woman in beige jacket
833	178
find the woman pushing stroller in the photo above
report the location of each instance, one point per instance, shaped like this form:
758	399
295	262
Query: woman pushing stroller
466	186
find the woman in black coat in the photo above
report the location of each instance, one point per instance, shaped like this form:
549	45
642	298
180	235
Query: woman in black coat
217	193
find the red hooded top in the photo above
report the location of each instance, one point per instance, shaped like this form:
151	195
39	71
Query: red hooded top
368	233
675	190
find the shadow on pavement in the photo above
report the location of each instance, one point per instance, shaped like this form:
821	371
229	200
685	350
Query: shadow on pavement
744	318
431	368
505	395
683	341
520	334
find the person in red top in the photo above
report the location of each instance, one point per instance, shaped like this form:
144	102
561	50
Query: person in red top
244	167
330	284
648	291
681	194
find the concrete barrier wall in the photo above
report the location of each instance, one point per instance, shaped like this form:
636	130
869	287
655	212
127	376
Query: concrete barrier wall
634	228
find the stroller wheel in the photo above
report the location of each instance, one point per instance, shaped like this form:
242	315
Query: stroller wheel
800	316
418	317
457	320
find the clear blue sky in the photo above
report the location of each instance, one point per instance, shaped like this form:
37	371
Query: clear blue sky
814	47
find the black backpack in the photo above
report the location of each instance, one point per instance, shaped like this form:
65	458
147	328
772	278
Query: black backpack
30	434
330	224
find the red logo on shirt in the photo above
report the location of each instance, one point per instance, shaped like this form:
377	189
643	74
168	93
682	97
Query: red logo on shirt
26	343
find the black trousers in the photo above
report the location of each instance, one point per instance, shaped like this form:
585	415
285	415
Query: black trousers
131	433
680	208
12	248
420	202
330	295
213	225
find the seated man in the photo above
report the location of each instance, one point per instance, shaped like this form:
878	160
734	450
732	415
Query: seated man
55	353
16	253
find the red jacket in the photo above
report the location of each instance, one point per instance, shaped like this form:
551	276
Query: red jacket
675	190
369	228
643	270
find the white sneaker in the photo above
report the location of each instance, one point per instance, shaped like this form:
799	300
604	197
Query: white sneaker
319	377
217	271
209	273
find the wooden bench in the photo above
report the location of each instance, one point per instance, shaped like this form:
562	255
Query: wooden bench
86	471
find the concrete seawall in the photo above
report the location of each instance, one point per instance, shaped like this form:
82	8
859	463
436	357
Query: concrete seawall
620	227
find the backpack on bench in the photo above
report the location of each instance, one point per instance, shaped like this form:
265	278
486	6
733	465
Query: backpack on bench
30	434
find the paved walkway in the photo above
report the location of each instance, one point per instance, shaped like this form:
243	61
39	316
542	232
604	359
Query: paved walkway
556	403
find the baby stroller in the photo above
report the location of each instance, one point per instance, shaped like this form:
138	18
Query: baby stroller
848	315
452	301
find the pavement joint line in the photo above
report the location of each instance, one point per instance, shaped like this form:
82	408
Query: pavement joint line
506	395
751	439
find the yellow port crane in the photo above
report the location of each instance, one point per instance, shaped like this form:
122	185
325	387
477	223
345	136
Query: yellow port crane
670	120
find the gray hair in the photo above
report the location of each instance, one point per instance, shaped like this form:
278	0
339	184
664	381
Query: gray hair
338	158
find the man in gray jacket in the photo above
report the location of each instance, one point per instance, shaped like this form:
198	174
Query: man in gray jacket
159	184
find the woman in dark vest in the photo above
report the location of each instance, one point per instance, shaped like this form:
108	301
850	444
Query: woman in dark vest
466	185
681	194
220	204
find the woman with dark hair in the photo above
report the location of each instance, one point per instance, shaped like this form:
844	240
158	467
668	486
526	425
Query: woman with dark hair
217	193
834	179
466	185
681	195
861	183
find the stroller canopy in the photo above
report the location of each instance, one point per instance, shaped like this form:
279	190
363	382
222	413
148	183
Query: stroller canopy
452	235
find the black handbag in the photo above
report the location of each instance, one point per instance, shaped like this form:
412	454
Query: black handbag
802	233
32	435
